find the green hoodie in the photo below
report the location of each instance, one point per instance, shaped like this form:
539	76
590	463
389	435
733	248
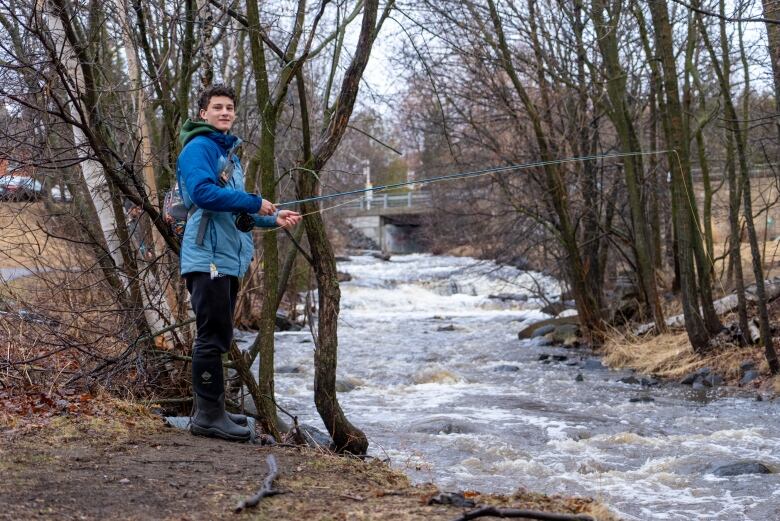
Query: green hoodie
192	129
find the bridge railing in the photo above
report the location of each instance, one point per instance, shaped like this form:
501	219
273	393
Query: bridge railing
385	201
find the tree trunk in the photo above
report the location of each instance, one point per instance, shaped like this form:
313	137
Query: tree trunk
263	163
677	139
619	115
154	296
655	183
741	144
586	146
346	437
91	169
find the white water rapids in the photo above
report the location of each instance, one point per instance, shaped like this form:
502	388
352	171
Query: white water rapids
436	400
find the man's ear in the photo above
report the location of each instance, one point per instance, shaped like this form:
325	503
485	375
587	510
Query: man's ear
202	113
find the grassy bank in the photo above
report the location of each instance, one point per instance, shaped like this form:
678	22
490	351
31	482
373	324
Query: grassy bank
671	357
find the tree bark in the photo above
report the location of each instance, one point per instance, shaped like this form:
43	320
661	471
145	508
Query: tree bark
744	180
346	437
633	167
679	163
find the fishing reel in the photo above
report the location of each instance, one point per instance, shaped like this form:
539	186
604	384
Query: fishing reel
244	222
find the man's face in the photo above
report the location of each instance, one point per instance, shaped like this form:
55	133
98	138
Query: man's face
220	113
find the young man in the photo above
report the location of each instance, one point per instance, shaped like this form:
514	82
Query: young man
214	252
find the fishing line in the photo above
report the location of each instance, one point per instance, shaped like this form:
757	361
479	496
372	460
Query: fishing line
466	175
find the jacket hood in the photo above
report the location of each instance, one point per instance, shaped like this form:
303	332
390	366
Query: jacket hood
192	129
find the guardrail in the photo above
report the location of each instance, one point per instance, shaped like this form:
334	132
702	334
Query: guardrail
385	201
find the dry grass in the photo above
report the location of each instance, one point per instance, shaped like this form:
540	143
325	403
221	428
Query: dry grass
670	356
26	239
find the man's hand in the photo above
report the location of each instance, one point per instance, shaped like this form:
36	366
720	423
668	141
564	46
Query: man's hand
288	218
267	208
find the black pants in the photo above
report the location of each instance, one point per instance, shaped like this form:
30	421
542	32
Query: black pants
213	301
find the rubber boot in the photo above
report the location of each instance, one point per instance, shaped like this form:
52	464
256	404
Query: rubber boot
210	418
238	419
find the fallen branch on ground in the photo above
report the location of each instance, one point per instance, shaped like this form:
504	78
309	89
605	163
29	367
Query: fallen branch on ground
527	514
267	488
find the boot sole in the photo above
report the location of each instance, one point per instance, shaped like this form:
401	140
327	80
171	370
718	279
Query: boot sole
211	432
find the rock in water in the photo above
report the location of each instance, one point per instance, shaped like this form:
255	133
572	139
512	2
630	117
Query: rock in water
593	364
290	369
315	437
697	377
543	331
435	375
504	297
747	365
283	323
712	380
506	368
345	385
442	426
565	334
528	331
748	377
740	468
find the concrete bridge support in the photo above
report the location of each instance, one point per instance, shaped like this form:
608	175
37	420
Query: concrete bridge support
396	234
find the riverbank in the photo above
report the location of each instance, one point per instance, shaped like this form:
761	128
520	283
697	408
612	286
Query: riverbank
670	357
100	458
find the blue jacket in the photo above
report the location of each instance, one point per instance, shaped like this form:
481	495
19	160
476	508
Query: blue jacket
201	160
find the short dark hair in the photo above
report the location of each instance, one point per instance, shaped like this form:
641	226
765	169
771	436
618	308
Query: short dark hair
215	90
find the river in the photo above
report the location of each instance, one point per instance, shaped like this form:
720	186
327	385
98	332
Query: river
447	391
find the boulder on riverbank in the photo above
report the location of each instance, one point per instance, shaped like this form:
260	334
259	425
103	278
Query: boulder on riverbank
284	323
550	325
701	378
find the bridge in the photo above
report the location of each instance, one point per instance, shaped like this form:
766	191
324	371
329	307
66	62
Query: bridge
393	222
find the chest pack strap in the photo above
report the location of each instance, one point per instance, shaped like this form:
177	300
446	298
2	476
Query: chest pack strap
225	175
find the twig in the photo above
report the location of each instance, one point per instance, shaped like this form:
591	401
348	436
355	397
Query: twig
299	247
267	488
527	514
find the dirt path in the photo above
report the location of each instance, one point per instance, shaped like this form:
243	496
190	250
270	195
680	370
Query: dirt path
86	468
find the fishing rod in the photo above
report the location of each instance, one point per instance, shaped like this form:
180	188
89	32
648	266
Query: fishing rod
465	175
